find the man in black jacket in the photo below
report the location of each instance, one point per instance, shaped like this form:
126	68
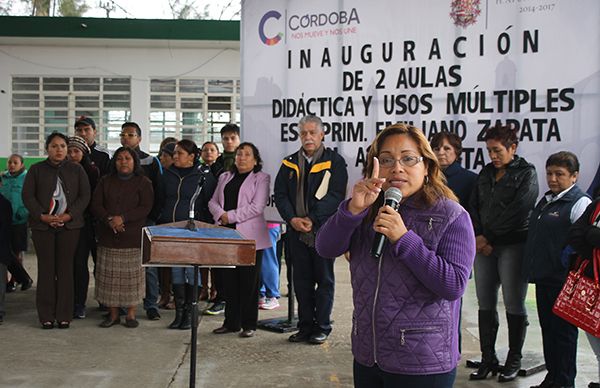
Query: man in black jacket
86	128
309	187
131	136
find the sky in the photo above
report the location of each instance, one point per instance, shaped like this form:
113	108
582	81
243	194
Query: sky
150	9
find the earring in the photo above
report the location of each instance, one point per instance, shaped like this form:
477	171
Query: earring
426	179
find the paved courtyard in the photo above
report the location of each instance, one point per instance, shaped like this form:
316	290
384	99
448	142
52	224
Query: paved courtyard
153	356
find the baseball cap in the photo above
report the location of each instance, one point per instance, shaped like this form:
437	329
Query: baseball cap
84	120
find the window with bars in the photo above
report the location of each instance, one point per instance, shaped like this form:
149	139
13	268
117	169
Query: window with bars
42	105
192	108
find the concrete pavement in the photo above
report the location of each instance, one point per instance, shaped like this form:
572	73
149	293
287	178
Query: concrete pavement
152	356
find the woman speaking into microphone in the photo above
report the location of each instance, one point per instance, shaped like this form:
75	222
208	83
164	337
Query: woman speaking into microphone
406	302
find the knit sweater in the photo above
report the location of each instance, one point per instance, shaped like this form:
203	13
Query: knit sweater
407	303
132	199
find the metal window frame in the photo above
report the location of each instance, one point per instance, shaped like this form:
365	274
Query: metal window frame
207	129
102	126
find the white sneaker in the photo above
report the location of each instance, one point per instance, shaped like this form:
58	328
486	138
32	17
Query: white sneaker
270	304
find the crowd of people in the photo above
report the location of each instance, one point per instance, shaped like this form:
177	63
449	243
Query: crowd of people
445	224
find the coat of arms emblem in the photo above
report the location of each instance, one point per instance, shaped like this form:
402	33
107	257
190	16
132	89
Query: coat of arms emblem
464	12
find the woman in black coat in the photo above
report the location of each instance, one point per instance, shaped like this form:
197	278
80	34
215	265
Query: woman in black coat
544	263
179	184
504	195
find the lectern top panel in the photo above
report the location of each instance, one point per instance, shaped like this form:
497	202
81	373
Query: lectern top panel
209	245
171	231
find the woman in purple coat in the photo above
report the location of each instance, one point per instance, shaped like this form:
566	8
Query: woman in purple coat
239	202
406	303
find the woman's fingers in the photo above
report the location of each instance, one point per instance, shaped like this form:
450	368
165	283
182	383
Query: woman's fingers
373	184
388	221
375	173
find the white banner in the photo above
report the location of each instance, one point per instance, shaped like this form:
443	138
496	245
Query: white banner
443	65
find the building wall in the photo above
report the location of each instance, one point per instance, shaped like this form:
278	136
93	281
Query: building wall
140	60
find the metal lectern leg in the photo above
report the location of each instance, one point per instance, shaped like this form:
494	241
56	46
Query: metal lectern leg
194	330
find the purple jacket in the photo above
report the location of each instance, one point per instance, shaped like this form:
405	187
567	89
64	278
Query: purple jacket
406	305
249	215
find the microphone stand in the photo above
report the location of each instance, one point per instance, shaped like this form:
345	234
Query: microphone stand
191	225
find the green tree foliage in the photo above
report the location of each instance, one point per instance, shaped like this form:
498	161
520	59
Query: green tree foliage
50	7
72	7
40	7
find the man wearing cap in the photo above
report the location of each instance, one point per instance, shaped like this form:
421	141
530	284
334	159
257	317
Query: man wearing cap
131	136
86	128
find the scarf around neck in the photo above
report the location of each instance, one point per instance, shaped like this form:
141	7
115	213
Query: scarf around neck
301	208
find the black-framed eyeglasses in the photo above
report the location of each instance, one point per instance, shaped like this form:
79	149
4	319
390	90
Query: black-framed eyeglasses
406	161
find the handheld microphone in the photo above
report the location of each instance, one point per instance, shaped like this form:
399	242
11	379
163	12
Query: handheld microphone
392	197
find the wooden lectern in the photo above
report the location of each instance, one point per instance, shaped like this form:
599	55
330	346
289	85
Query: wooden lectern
174	245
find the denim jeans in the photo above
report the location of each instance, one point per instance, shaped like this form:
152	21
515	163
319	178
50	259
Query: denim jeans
373	377
182	275
152	289
501	268
270	267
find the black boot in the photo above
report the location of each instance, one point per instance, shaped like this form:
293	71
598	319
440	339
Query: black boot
488	329
179	291
517	327
186	320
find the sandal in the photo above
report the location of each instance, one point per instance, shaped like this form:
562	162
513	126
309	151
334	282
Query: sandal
64	324
47	325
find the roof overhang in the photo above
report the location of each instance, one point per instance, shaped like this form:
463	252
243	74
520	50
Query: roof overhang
98	32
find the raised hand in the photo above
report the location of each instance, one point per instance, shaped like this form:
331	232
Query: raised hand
366	191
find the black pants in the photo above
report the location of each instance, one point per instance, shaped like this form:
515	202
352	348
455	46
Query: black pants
17	270
373	377
81	276
55	249
559	337
314	283
218	283
241	295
